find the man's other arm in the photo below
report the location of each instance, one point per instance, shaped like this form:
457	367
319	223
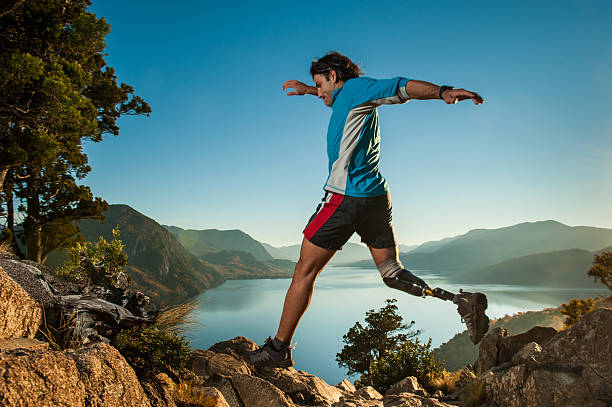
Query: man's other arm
424	90
299	88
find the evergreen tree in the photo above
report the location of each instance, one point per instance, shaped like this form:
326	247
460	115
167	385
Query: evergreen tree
56	91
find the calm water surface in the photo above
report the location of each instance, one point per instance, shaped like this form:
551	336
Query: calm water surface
342	295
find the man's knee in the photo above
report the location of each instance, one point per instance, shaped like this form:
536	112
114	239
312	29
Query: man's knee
304	271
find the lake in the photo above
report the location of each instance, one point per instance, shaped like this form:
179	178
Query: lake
342	295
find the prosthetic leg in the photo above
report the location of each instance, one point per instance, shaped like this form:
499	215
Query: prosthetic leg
396	276
471	306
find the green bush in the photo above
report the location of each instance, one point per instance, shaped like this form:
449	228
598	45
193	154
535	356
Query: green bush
153	348
409	359
384	351
109	255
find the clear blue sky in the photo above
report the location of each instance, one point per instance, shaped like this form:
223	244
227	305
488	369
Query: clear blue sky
225	148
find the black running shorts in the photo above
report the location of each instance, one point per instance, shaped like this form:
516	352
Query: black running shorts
338	216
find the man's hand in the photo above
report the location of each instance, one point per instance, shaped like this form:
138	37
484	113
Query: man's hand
452	96
299	88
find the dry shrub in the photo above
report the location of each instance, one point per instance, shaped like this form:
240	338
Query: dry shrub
176	318
6	247
474	394
447	382
187	394
60	335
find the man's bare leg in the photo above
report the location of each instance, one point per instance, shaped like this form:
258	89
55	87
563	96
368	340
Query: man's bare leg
312	260
277	352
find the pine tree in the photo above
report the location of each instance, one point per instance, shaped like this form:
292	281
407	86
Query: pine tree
56	92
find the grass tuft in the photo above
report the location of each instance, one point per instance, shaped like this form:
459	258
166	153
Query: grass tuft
176	319
474	394
447	382
186	394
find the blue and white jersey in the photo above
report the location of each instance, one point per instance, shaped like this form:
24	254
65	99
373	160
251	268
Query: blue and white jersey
353	136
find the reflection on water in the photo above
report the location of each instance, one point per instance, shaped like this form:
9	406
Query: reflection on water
342	295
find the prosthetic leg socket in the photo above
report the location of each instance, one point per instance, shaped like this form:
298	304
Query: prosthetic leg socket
395	276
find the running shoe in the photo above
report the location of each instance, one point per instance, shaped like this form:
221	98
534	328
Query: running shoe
267	355
471	307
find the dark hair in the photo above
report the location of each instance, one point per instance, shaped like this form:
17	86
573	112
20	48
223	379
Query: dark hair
343	66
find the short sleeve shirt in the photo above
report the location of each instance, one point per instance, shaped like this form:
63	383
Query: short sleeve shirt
353	135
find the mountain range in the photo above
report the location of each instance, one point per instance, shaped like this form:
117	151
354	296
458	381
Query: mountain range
351	252
172	264
533	253
163	268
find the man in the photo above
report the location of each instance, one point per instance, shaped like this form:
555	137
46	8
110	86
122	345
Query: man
357	197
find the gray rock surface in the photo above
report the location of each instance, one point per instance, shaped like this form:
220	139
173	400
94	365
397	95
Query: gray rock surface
31	279
572	368
409	384
498	347
20	315
95	375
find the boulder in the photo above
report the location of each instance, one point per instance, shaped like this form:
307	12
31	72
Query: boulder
368	393
530	353
245	390
21	315
94	375
346	386
29	277
498	348
572	368
207	363
160	390
412	400
409	384
304	388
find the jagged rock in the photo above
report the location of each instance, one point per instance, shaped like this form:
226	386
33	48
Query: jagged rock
237	347
510	345
346	386
212	397
359	403
304	388
572	369
438	394
412	400
207	363
409	384
368	393
498	347
30	277
529	353
160	390
95	375
22	343
488	351
21	315
244	390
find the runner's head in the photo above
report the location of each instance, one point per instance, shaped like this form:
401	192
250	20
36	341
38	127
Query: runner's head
330	72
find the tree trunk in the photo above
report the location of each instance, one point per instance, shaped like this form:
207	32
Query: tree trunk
32	226
3	170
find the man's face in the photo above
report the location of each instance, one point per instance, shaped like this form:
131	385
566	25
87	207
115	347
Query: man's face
325	87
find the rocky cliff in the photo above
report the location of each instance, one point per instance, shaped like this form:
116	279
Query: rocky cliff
541	367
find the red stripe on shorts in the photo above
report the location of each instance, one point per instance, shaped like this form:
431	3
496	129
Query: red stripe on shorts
324	214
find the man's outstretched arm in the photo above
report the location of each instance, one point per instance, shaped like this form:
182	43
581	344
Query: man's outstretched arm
299	88
424	90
